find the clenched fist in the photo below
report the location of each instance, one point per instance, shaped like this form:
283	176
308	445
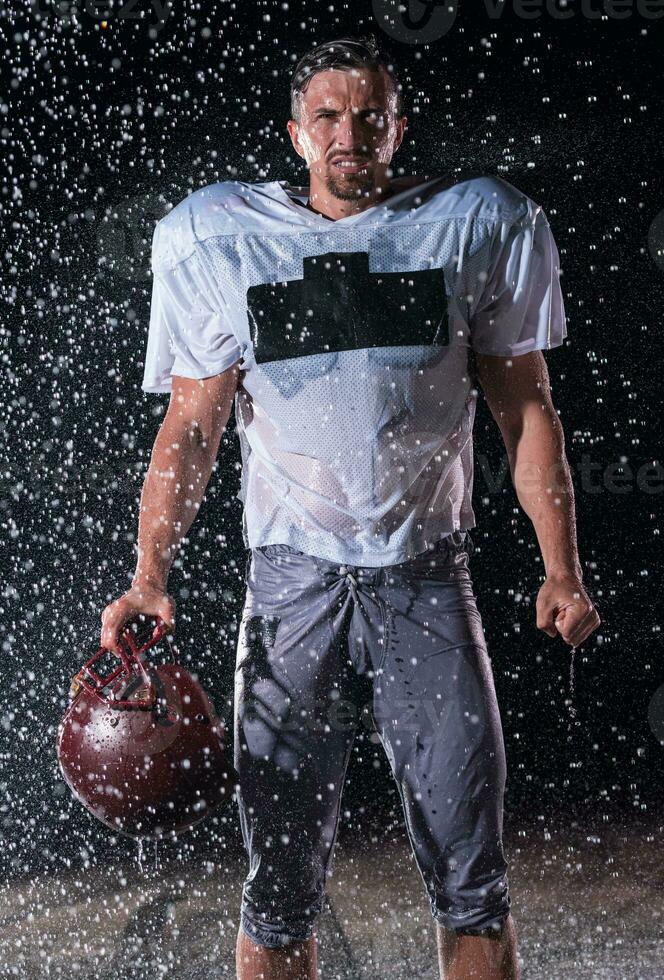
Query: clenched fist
142	597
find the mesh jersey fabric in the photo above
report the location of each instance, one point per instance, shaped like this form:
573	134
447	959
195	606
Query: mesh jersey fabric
357	398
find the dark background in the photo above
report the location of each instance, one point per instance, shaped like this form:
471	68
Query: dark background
104	129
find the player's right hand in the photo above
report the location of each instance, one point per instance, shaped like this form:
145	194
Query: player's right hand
142	598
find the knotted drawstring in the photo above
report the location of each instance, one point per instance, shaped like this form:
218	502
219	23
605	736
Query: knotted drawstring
352	581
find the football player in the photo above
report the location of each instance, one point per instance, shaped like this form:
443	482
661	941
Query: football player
350	322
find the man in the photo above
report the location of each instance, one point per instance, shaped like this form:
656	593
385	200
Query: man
350	323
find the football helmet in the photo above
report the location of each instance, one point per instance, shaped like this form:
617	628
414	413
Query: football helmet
142	747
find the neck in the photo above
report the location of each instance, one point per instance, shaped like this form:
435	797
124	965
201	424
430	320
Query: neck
395	186
322	202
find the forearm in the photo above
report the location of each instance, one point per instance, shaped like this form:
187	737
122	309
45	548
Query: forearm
179	471
544	488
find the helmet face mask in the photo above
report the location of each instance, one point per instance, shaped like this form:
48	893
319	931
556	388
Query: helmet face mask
142	748
106	689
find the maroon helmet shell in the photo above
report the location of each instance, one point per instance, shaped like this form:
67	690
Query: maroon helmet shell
143	748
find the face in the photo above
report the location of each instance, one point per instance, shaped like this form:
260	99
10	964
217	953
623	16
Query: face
347	131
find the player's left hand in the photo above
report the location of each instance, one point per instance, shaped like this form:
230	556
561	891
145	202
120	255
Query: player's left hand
563	607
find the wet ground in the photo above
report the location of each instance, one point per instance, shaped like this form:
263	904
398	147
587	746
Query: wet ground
587	902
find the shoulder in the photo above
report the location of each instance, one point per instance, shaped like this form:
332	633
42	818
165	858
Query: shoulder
488	198
213	210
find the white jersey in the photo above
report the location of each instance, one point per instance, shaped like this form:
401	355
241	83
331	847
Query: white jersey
357	400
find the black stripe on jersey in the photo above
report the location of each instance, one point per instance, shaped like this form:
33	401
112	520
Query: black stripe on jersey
339	305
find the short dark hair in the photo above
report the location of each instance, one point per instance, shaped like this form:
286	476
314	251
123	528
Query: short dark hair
343	54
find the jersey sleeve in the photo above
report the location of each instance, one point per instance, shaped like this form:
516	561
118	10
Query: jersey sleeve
189	333
521	308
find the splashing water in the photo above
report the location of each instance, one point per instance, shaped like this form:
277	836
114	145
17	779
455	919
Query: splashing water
141	854
570	703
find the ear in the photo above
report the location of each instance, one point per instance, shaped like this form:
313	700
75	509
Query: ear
292	128
401	130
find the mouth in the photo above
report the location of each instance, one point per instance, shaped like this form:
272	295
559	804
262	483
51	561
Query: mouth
350	165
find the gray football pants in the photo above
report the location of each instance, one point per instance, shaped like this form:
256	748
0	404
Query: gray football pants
319	643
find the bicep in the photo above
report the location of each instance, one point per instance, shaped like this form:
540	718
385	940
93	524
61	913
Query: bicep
203	405
513	387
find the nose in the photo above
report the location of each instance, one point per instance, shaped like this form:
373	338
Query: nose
349	133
